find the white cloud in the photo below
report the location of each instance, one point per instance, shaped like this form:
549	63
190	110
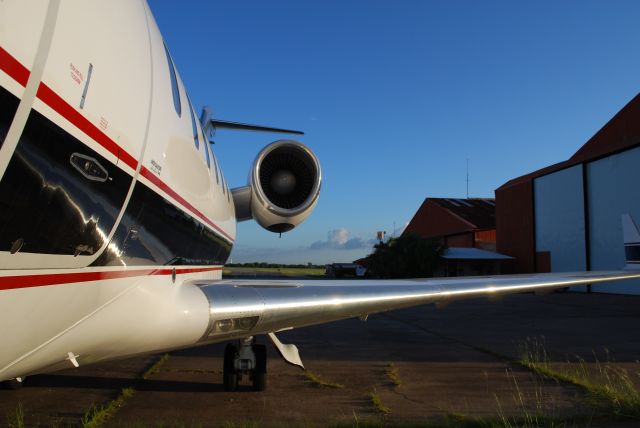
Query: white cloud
338	239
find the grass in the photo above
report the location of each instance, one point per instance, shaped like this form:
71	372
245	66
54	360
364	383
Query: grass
377	403
162	424
392	374
97	416
316	380
532	408
16	419
244	424
155	368
610	387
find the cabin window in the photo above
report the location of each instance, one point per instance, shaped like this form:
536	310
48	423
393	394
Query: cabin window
206	152
213	156
215	163
194	128
174	83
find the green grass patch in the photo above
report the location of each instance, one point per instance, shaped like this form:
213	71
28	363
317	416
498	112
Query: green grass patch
393	374
316	380
155	368
97	416
244	424
610	386
16	418
377	403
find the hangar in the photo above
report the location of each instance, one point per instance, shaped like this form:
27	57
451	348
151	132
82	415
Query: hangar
566	217
467	227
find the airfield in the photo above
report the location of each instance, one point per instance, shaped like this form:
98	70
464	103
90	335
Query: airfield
561	359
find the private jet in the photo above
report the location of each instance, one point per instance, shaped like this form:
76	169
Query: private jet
116	218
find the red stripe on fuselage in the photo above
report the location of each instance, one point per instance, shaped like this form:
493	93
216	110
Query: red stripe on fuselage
65	110
19	73
28	281
13	68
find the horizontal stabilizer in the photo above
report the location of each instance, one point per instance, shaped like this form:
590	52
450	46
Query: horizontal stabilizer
223	124
210	124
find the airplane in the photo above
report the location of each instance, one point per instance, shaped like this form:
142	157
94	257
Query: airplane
116	218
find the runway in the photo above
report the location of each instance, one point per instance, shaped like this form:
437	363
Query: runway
422	366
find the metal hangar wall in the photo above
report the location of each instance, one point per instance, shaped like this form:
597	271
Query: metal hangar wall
566	217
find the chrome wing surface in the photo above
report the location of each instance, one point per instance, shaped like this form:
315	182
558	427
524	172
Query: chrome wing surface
241	308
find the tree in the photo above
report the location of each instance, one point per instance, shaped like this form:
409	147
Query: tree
408	256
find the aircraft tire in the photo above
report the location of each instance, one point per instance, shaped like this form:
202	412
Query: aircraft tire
260	373
229	374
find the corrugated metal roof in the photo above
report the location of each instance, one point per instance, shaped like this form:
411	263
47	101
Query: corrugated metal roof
480	212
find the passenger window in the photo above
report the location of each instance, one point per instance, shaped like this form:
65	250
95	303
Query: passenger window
194	128
174	83
206	152
215	164
213	156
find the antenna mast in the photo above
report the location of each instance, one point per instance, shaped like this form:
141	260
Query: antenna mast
467	178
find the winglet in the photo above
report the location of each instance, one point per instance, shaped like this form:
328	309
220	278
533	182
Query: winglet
631	238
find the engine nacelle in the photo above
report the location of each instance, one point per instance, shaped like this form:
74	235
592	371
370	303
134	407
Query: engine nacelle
284	185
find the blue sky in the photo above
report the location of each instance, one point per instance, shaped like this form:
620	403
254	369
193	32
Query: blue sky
394	97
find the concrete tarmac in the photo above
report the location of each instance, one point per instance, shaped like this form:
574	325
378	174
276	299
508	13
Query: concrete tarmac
450	364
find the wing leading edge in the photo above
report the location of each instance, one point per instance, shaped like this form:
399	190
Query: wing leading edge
244	308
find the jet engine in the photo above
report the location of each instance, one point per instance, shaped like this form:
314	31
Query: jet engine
284	185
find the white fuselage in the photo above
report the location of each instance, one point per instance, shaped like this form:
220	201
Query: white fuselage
98	156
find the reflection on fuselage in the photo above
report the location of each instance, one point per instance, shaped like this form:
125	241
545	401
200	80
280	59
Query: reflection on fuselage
49	207
48	204
145	238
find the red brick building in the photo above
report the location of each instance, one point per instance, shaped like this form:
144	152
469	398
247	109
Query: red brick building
467	227
466	223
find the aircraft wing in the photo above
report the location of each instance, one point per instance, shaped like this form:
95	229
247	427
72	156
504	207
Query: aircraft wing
240	308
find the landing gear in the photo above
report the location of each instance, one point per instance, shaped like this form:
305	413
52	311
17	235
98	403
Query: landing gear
259	376
245	358
229	374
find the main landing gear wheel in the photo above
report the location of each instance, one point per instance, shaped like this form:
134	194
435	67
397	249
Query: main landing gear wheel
260	372
246	358
229	374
